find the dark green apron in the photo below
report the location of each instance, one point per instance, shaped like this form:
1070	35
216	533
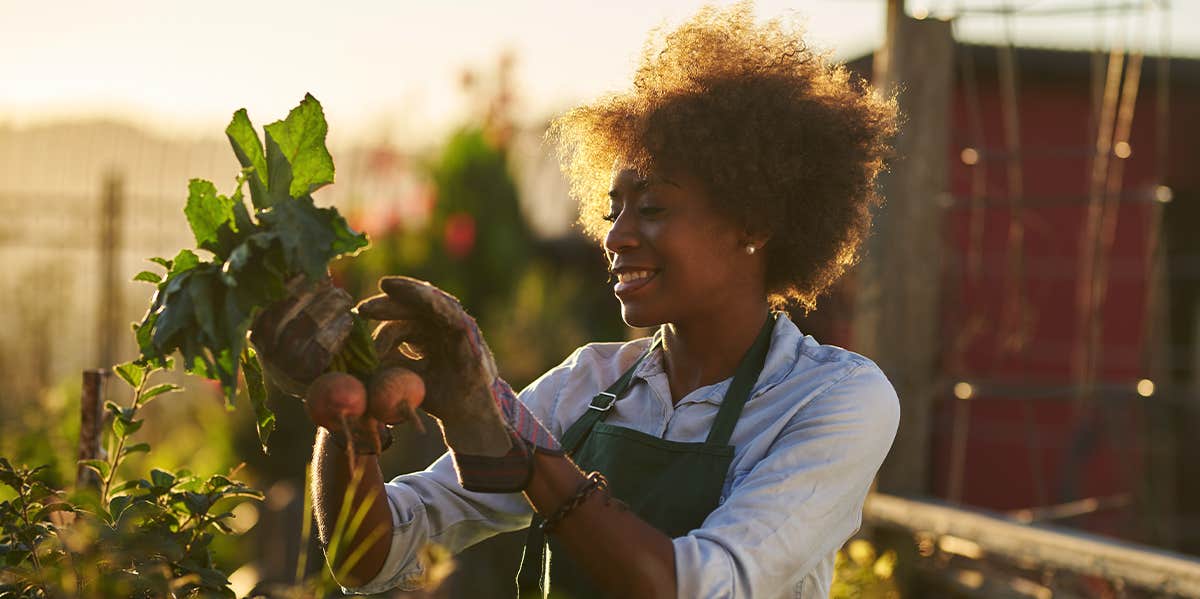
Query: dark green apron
673	486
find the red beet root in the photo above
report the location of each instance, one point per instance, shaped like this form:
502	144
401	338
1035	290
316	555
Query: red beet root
395	394
334	398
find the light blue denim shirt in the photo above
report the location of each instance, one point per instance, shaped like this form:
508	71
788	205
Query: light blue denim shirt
810	439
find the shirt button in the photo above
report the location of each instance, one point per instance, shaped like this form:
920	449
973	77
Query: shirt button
721	500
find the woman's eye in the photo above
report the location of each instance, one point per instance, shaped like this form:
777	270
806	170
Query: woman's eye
641	210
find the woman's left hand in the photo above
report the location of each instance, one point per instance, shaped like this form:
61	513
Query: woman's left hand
490	432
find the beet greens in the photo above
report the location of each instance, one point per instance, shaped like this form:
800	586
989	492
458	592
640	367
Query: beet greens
203	306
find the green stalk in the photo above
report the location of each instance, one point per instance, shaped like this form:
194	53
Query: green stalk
358	355
120	443
305	526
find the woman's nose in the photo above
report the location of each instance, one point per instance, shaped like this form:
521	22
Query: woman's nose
621	236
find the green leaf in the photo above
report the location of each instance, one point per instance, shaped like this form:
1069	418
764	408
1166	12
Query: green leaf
198	363
300	138
136	448
143	332
246	253
148	277
212	580
176	314
163	262
279	182
201	292
242	493
207	212
155	391
311	236
100	467
118	505
130	485
124	428
132	373
234	233
184	261
161	478
196	503
264	418
226	364
256	269
187	482
346	241
249	151
218	481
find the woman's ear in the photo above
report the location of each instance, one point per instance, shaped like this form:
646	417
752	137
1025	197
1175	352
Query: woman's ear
756	238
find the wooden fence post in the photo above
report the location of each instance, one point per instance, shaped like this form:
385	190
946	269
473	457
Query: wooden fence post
897	318
91	425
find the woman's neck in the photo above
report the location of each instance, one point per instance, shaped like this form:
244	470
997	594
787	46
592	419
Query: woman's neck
701	352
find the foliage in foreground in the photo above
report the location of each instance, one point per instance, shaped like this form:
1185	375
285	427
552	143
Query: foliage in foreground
141	537
151	537
859	572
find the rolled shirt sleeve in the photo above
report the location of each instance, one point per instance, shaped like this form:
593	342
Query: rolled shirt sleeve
432	507
801	502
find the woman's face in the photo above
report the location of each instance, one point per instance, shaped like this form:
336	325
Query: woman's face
675	258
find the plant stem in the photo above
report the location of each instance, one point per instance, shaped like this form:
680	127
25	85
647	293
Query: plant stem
187	549
115	457
25	491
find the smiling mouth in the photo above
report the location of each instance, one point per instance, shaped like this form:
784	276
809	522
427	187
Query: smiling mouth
632	280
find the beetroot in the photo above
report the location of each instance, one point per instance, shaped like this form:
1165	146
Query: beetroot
395	394
334	398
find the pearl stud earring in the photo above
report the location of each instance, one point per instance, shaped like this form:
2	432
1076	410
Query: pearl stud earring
750	249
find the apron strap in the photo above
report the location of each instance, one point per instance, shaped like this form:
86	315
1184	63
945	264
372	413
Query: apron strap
533	577
744	378
602	404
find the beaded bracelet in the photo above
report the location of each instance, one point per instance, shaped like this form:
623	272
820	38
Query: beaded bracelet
362	443
595	482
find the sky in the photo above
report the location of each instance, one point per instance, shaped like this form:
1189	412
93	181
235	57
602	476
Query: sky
391	68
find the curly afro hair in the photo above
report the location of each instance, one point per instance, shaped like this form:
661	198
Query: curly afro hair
783	140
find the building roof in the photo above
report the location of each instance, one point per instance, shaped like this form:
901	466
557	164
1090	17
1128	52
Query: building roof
1058	64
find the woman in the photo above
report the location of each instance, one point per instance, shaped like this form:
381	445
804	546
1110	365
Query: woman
734	452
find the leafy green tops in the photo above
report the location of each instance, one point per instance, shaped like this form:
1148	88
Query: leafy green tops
203	306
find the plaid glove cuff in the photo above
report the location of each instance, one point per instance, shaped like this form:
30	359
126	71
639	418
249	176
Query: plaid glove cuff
510	473
522	421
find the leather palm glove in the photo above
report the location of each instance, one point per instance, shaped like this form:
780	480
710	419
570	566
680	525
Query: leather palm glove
492	436
297	338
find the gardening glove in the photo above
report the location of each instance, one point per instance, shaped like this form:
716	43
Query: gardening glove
492	436
297	338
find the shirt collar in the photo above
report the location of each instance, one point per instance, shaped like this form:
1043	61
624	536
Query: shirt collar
786	340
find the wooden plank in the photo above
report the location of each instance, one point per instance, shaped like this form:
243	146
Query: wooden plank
990	535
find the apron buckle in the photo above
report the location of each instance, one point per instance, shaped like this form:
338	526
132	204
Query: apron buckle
607	405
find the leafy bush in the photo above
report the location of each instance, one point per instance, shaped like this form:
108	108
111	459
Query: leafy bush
141	537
